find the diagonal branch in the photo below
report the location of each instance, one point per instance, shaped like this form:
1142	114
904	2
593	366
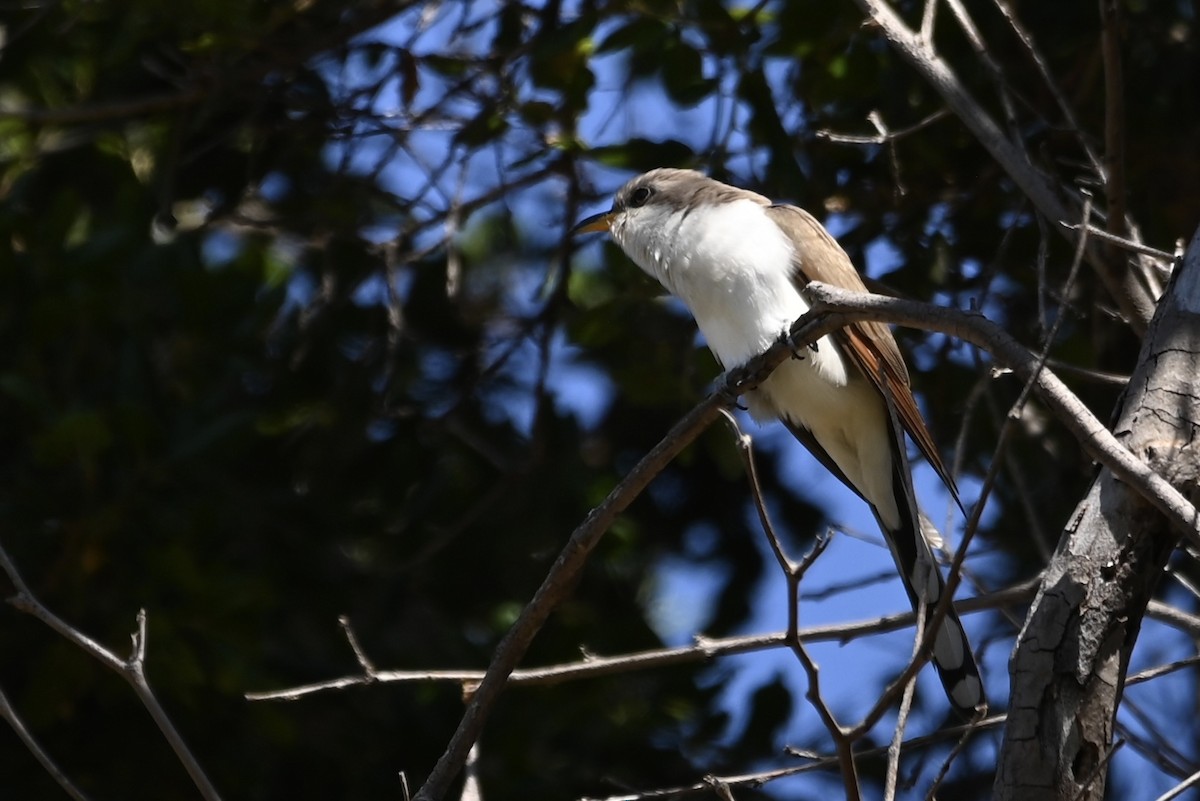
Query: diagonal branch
833	309
1095	438
1130	293
9	713
558	582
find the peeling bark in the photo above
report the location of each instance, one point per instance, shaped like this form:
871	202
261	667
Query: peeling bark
1070	661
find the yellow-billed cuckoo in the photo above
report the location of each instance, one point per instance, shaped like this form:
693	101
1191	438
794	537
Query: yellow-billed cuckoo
739	263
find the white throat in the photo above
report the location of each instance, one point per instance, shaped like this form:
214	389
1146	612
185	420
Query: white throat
729	263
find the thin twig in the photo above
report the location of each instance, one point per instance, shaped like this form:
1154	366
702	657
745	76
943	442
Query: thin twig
1122	242
1177	790
369	669
906	699
1048	79
882	137
133	669
817	762
9	713
1080	247
1114	116
705	649
967	733
1088	373
793	573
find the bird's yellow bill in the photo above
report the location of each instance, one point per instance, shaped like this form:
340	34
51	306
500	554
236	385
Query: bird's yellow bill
597	222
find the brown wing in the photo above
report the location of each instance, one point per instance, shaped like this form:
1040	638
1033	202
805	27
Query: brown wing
869	345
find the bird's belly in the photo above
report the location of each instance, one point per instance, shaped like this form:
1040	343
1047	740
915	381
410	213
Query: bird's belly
814	390
848	419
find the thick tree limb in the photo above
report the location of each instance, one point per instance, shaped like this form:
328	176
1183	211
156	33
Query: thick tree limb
1068	670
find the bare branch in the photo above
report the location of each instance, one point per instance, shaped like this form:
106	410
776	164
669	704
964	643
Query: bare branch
884	135
817	763
793	572
1177	790
972	327
1128	290
133	669
369	670
558	582
1065	107
9	713
906	699
1114	116
1123	242
705	649
1080	247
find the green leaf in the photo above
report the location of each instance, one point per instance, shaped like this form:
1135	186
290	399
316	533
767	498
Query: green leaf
683	74
640	33
76	436
643	154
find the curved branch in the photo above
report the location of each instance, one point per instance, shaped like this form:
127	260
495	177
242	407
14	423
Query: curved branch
1093	435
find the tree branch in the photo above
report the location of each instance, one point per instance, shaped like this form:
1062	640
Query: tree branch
557	583
1070	664
133	669
9	713
704	649
1131	294
845	307
833	309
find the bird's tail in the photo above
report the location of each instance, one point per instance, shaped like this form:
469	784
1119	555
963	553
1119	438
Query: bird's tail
923	581
951	650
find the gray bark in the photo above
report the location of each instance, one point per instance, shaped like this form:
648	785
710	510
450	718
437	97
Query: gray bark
1069	665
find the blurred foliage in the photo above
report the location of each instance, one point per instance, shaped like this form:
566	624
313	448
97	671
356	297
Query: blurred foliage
286	306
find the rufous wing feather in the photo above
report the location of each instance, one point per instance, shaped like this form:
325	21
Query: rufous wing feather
869	345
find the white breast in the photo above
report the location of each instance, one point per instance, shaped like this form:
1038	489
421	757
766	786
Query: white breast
732	266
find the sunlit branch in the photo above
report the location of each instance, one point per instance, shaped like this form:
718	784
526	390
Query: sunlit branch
1093	436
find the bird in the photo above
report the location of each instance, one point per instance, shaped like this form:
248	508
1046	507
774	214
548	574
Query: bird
740	262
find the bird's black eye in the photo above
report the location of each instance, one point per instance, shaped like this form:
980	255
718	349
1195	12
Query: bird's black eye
639	196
